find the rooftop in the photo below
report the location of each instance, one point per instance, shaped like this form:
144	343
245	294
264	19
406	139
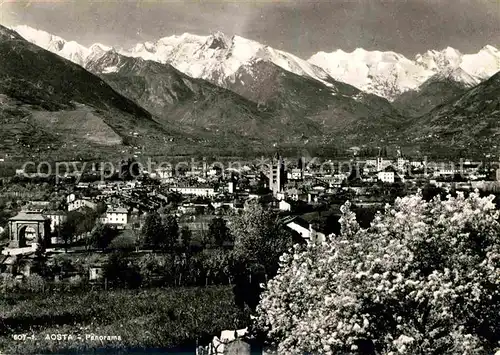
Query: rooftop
118	210
27	216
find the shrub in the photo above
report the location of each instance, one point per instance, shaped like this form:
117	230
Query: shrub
8	282
423	279
33	283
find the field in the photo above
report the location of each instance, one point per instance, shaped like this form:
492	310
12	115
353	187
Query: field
147	321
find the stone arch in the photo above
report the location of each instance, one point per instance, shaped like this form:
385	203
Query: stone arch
27	233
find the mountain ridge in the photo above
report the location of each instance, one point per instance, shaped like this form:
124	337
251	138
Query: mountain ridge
53	107
266	102
217	57
467	124
389	74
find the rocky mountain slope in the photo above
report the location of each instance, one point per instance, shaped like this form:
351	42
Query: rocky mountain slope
466	125
229	91
51	106
276	105
438	90
193	105
218	57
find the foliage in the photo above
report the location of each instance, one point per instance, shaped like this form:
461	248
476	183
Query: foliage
423	279
83	220
33	283
67	231
145	319
125	240
8	282
259	237
77	223
121	272
218	232
102	235
186	238
152	231
171	233
4	235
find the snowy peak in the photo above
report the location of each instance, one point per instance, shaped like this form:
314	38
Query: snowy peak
390	74
386	74
483	64
457	75
70	50
446	59
218	40
218	57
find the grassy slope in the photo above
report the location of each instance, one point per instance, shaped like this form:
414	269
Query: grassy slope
144	319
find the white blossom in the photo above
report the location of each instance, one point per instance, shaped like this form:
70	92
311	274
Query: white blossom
421	280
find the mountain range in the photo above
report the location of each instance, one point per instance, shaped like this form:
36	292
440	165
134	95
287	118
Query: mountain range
233	92
218	57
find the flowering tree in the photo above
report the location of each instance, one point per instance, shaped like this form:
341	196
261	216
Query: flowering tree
423	279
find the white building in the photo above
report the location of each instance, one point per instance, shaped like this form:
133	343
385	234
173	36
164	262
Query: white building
96	272
79	203
285	206
382	163
305	230
295	174
116	216
57	218
386	176
164	173
445	171
401	164
197	191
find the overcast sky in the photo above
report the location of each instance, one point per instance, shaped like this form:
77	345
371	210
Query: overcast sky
301	27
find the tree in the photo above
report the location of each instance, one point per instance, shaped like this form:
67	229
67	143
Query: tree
101	207
422	279
121	272
5	234
260	240
67	232
186	238
171	233
259	237
154	267
102	235
152	231
39	265
218	232
84	219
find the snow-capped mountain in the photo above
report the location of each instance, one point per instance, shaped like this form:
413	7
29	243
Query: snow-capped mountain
70	50
218	57
222	59
389	74
215	58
